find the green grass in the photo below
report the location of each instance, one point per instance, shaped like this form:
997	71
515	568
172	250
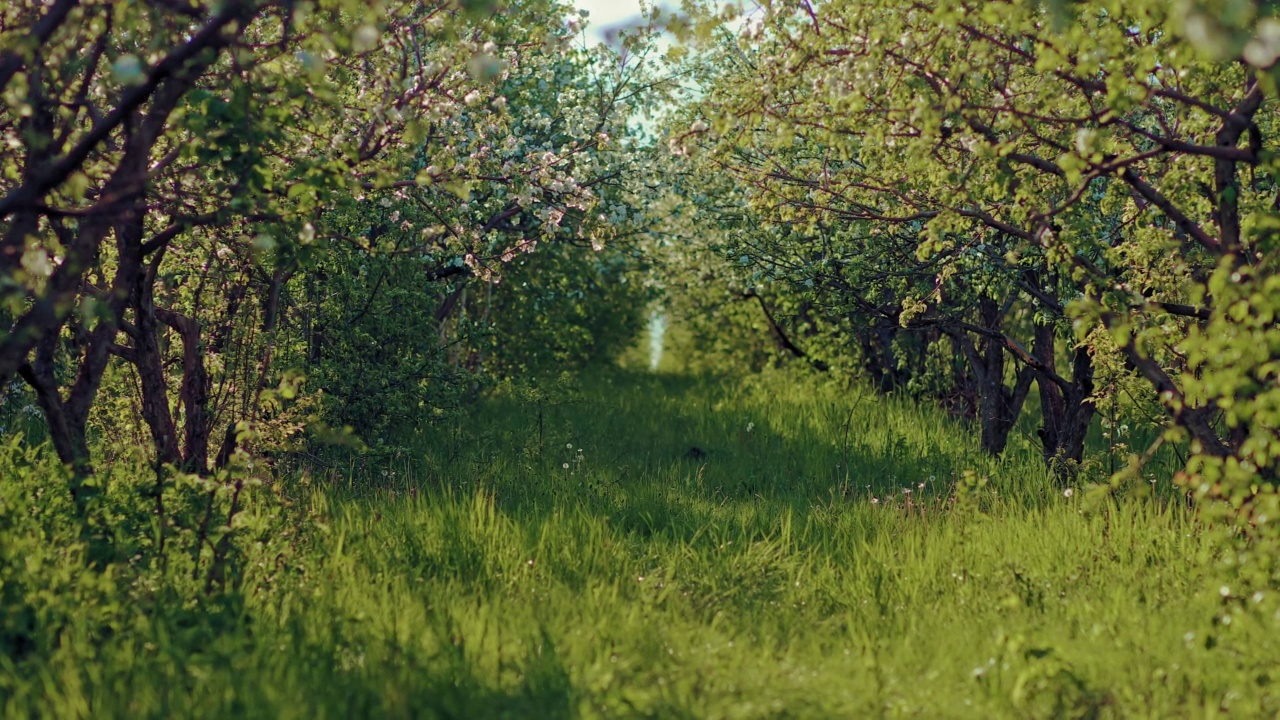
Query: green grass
784	573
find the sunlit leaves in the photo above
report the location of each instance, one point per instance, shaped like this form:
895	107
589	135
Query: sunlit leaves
1090	144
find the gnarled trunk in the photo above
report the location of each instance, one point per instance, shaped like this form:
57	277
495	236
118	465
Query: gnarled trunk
148	359
999	406
1065	405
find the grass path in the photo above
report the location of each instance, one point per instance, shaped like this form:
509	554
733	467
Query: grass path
566	555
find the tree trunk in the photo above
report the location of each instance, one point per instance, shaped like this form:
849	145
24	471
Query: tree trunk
150	364
964	385
40	326
68	437
879	358
1067	411
194	393
999	406
68	419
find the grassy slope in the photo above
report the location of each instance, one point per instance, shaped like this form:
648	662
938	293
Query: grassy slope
480	577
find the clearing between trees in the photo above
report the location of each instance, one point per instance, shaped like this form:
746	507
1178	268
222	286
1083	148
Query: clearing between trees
558	554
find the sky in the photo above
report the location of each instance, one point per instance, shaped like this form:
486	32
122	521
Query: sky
606	14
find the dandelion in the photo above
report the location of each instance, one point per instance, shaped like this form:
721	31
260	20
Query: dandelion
1068	492
565	466
751	426
568	446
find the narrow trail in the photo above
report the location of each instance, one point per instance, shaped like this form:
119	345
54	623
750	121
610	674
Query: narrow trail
561	552
567	555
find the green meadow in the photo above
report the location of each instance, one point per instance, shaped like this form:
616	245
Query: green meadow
632	545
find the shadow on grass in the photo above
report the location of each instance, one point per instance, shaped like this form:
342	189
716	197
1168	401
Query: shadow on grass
687	458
